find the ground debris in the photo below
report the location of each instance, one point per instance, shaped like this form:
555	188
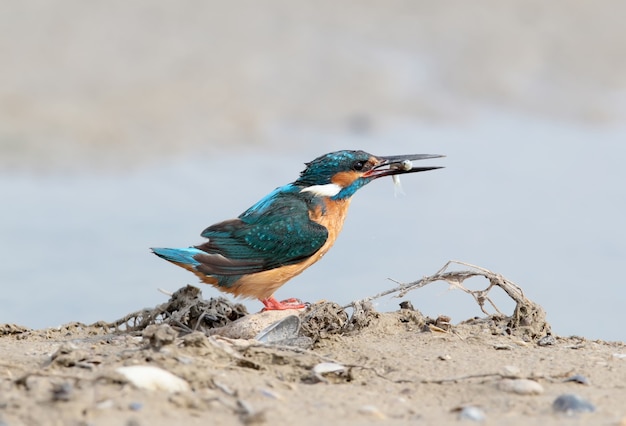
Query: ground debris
159	335
528	320
185	311
323	319
7	329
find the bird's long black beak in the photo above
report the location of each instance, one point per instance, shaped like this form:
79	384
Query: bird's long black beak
400	164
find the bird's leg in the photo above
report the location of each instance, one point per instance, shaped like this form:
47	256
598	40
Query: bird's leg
272	304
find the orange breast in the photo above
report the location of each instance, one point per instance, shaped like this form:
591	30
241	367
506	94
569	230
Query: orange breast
263	284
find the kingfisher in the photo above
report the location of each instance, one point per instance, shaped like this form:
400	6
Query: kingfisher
289	229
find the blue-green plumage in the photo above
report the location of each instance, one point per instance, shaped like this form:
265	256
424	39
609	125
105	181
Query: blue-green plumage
275	232
181	255
286	231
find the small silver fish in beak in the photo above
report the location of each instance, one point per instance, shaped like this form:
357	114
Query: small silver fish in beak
405	165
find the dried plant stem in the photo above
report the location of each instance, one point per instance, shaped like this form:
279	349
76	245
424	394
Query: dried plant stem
527	313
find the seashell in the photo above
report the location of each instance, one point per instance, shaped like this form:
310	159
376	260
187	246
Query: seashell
328	367
280	331
153	378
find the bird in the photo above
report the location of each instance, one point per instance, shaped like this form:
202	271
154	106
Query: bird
289	229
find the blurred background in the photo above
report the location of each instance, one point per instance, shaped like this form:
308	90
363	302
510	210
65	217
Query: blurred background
126	125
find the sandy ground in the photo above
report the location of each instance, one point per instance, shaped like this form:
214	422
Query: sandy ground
395	368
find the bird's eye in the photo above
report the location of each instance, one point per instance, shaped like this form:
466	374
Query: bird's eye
358	166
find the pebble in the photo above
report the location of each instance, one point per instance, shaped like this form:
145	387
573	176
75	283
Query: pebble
373	411
511	370
270	393
520	386
135	406
578	379
105	405
503	347
153	378
185	360
547	340
570	404
62	392
472	413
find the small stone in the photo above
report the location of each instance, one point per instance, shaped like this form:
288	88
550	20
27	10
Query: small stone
577	378
270	394
185	360
372	411
406	304
472	413
520	386
224	388
511	370
135	406
571	404
502	347
443	322
105	405
547	340
62	392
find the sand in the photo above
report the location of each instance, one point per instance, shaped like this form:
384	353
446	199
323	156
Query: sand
386	368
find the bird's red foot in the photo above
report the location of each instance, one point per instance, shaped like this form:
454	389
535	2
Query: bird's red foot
272	304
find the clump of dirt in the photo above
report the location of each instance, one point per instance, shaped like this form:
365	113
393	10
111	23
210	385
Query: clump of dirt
159	335
185	311
529	321
327	318
12	329
323	319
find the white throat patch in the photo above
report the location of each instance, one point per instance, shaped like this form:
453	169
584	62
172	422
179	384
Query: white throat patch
328	190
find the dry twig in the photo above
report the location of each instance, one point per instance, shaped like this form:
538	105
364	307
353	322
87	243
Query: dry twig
528	318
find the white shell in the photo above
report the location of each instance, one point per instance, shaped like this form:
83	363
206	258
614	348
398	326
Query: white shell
328	367
153	378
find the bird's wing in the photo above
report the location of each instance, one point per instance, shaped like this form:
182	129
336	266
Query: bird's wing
280	234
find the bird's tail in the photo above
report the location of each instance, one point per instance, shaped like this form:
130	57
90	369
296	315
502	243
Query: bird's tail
178	255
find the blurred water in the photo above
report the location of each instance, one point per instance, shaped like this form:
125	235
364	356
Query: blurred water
542	203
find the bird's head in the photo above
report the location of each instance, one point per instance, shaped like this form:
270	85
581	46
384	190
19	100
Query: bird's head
340	174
